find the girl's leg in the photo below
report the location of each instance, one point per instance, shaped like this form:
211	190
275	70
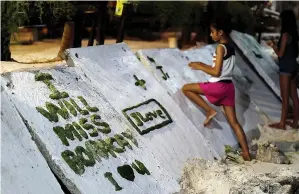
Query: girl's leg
193	92
231	117
284	81
295	99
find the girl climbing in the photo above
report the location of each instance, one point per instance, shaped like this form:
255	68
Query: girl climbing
287	52
219	90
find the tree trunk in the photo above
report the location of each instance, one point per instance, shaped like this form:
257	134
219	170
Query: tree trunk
67	38
5	34
5	42
78	21
93	30
101	19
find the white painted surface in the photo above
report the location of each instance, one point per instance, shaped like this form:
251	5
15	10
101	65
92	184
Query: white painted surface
176	63
261	95
250	90
265	66
111	69
23	168
163	151
28	94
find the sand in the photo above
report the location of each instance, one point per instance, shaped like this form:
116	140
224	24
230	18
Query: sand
219	177
46	50
200	176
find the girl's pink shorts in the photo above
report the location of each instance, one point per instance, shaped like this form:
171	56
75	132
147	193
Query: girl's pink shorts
219	93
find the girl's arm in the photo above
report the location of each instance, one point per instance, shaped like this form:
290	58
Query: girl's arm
284	39
213	71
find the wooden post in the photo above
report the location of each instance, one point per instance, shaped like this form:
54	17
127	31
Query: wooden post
121	29
101	19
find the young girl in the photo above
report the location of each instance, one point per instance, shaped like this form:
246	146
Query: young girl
287	53
220	89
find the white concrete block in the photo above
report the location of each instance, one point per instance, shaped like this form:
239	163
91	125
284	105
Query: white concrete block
23	168
28	94
111	69
157	150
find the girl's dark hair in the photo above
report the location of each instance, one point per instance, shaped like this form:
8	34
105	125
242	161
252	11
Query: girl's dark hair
289	25
222	22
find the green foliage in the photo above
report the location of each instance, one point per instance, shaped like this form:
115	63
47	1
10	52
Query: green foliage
94	118
107	146
13	14
228	149
126	172
80	130
140	168
57	9
73	161
242	17
83	112
53	109
61	134
174	13
122	142
69	132
178	14
89	108
80	151
43	76
108	175
16	13
128	134
70	107
139	82
55	94
87	126
106	128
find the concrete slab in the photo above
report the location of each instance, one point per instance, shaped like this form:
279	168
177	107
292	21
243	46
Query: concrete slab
23	168
155	151
112	70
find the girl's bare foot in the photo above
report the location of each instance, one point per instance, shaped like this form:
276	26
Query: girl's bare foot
210	115
246	156
293	124
278	126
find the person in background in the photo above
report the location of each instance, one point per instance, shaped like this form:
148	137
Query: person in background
219	90
287	52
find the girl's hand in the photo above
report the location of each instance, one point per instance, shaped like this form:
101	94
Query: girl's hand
193	65
270	43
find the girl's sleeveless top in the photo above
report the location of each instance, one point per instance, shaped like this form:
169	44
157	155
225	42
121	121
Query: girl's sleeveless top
228	63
